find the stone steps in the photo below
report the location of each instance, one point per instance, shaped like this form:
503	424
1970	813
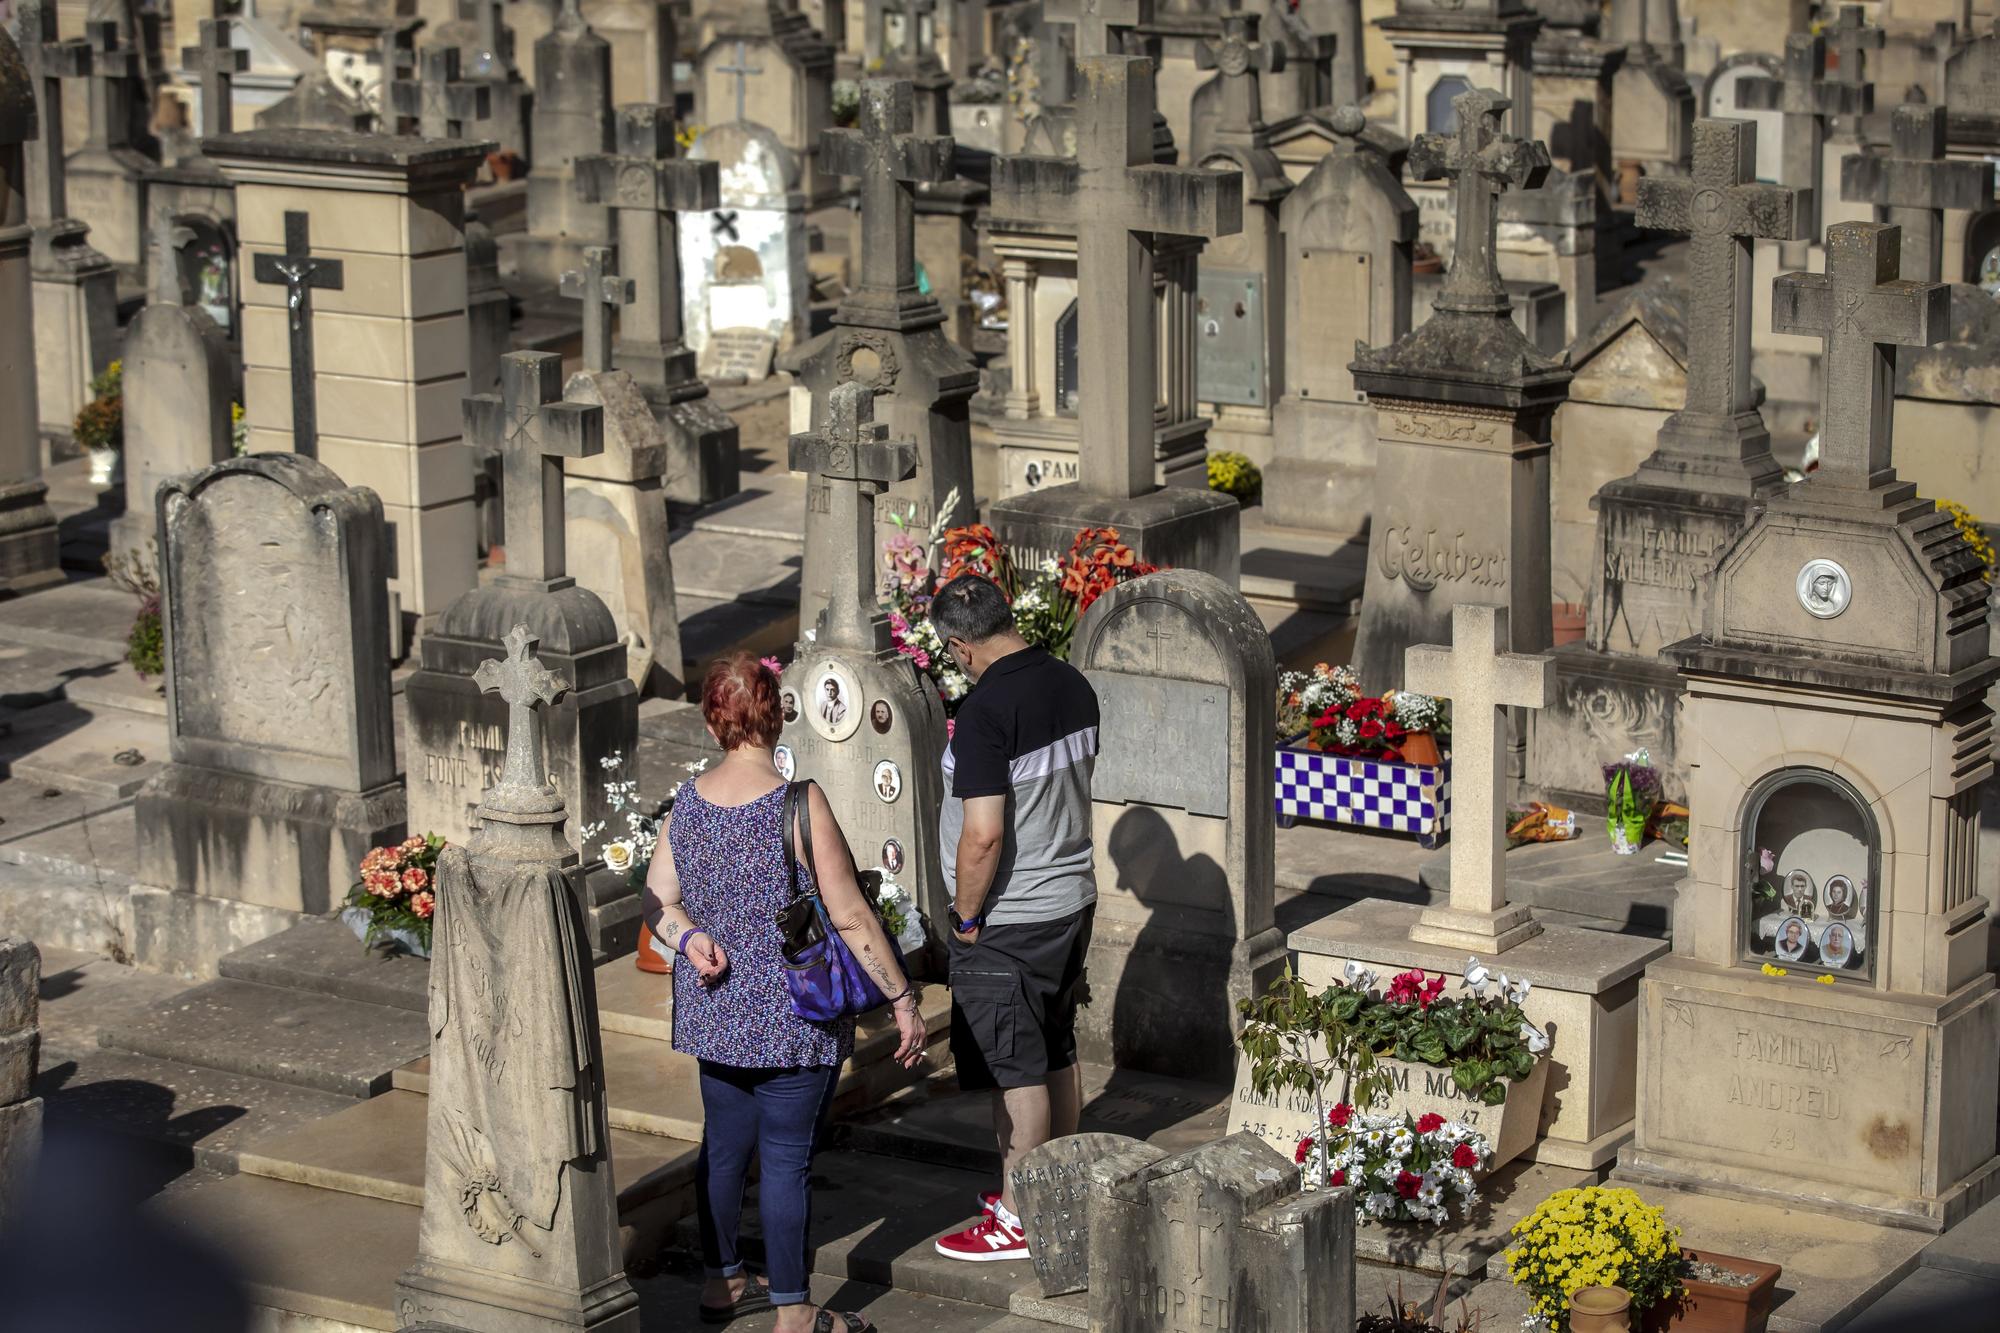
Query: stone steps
297	1037
321	956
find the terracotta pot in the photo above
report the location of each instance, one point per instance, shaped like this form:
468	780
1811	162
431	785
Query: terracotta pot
1420	747
1600	1310
1710	1307
653	956
1568	620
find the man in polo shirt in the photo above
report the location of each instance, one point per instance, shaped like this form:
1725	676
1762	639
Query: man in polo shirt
1017	858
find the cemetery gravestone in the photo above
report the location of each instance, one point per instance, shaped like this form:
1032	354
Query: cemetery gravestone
763	62
283	771
1221	1237
1054	1186
1182	822
743	265
1911	185
107	175
486	42
572	119
29	555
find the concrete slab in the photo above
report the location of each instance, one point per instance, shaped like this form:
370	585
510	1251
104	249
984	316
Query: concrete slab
728	566
1465	1248
323	956
82	993
1301	567
31	675
91	617
772	508
287	1036
52	900
1972	1247
1933	1299
104	753
1584	878
672	1301
875	1219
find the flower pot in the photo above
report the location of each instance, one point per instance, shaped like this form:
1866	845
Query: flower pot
1567	618
1372	793
1718	1307
394	941
653	955
1421	748
106	467
1600	1310
1511	1127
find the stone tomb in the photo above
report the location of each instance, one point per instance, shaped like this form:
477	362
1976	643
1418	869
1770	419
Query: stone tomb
743	265
283	769
1220	1237
763	62
1827	1032
107	175
1183	823
572	119
1054	1188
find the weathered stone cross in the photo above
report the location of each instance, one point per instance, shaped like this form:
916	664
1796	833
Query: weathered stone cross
1725	210
51	61
1850	39
851	461
602	291
526	686
1805	98
169	238
439	99
215	63
301	271
1199	1215
1100	25
112	69
1482	163
534	430
1118	200
1242	59
1862	312
742	70
1915	184
647	186
891	161
915	47
1482	680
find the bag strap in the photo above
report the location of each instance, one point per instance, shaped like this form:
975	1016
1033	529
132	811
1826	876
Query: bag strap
806	832
790	807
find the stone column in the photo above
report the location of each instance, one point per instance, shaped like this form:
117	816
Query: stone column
389	345
572	118
28	556
1022	401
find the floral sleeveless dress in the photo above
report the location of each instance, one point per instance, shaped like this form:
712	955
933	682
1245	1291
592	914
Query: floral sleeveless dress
731	863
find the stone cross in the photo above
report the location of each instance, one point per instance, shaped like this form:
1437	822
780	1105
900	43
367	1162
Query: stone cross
647	186
1850	39
742	69
891	161
301	271
1118	200
1482	680
1100	25
1805	98
1725	210
525	686
214	63
602	291
439	99
1482	163
1914	184
1242	61
113	67
534	430
1195	1213
169	239
851	461
915	48
1862	312
51	61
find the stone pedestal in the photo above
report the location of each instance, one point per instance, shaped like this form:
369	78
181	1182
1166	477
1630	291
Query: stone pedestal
389	346
76	325
1175	527
572	118
1585	998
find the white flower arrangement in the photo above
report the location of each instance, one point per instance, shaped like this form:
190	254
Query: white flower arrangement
1428	1165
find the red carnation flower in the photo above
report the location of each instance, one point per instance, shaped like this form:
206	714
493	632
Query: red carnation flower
1338	1177
1305	1148
1370	729
1407	1185
1340	1115
1431	1121
1463	1157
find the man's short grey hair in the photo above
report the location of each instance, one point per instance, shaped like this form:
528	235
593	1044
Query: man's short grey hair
972	609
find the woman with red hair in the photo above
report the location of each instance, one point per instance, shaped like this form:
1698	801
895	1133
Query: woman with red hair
767	1075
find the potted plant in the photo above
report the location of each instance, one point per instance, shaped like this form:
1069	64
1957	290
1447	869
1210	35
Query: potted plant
1401	1167
1631	790
1234	474
100	426
1720	1293
1339	750
391	906
1593	1237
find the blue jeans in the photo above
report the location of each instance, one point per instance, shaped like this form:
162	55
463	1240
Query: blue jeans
777	1114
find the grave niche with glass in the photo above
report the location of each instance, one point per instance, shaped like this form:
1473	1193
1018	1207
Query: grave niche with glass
1810	855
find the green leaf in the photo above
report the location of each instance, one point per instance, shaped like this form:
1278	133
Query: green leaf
1494	1094
1346	1004
1429	1048
1472	1075
1520	1064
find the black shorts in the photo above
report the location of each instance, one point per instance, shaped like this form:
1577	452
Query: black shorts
1014	994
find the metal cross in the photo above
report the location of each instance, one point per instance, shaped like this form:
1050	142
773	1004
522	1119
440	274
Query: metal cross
1482	163
1805	98
855	460
1913	184
1100	25
891	161
1118	200
439	99
51	61
1242	60
301	271
1862	312
742	71
1483	680
526	686
1850	39
534	430
602	292
214	63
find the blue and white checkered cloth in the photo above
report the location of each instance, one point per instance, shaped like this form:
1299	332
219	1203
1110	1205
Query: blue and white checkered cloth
1402	798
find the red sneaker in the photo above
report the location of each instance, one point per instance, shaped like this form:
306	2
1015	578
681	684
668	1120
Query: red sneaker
987	1199
983	1242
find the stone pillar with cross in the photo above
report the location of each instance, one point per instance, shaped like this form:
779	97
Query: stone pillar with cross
29	555
1464	396
888	335
1121	203
106	176
1912	185
214	64
1850	38
916	60
486	46
1240	341
387	345
438	99
572	120
861	721
764	62
456	731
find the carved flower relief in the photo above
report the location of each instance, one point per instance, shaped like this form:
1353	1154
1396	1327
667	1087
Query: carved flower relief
1446	430
867	358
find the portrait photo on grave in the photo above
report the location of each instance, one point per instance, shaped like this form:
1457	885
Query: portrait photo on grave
1799	894
1836	946
788	705
1842	902
781	758
888	781
880	718
1794	941
833	702
892	856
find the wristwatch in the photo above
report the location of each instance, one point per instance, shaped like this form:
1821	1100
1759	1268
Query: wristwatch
961	924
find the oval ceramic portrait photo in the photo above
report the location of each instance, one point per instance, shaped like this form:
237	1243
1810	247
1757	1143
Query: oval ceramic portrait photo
1799	894
880	718
832	702
888	781
1836	946
782	757
1839	897
892	856
1794	940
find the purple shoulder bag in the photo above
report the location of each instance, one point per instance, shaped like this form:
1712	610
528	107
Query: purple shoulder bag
824	978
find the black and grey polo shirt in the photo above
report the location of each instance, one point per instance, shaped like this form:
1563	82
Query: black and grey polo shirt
1028	730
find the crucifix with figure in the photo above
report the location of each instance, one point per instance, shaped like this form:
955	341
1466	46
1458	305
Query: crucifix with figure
534	430
602	292
647	186
1805	97
1862	312
214	64
851	462
1725	210
891	161
1118	200
1483	163
526	686
1913	184
301	271
1483	680
440	100
50	61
